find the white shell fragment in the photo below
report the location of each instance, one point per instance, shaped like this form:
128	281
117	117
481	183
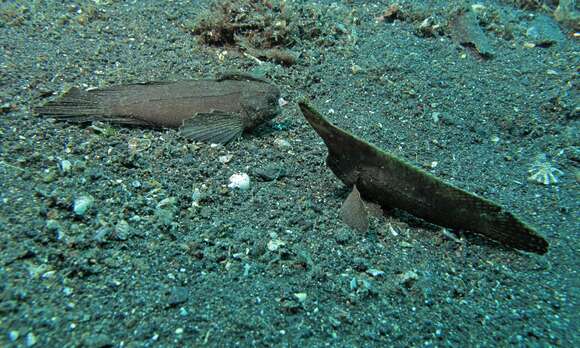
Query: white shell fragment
239	181
542	171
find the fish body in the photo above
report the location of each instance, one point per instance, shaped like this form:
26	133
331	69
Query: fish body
216	110
391	182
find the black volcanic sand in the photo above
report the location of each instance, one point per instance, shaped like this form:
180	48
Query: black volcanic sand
167	255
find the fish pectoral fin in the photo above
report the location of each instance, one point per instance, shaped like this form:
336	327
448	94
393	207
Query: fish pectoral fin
215	127
354	212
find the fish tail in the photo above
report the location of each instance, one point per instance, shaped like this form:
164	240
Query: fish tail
75	105
510	230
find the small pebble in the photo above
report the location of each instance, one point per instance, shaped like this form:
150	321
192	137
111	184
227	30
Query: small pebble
360	264
178	295
275	244
301	296
353	284
225	158
435	116
197	196
239	181
282	144
102	234
52	225
30	339
270	172
168	202
65	166
409	278
375	272
13	335
122	230
82	204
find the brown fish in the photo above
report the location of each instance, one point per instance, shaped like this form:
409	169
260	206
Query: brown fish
391	182
205	110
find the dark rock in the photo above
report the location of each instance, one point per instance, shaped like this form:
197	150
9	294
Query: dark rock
360	264
178	295
544	32
269	173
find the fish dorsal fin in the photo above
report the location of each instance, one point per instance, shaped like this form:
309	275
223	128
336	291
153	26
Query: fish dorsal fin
354	213
240	76
215	127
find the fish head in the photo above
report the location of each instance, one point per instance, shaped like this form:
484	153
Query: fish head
259	103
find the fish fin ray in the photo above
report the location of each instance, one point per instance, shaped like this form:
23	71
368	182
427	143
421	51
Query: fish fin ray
130	86
80	106
216	127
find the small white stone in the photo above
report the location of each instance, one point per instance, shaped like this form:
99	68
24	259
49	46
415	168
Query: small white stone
239	181
225	158
436	116
275	244
48	274
198	195
301	296
82	204
478	8
409	277
375	272
65	166
281	143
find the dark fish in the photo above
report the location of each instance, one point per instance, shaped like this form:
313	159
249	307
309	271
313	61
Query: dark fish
205	110
391	182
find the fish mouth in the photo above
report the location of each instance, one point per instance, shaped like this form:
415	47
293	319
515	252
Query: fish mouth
272	108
